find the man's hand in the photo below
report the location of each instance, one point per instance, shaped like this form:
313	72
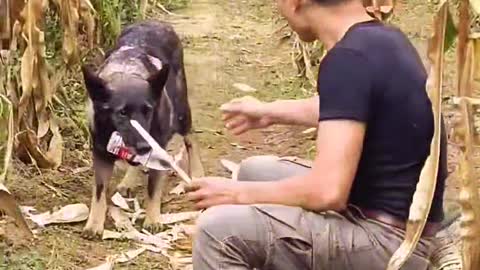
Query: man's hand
210	191
243	114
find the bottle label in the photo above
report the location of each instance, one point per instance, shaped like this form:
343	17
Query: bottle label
117	147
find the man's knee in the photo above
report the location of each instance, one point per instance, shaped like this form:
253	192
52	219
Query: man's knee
225	220
268	168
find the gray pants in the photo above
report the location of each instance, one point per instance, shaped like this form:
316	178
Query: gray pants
241	237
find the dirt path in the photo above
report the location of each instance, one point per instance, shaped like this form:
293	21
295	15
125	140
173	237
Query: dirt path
225	42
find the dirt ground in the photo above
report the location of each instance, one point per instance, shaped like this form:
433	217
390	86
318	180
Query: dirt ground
225	42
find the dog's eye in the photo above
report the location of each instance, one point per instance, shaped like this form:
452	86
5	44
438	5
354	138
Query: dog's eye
123	112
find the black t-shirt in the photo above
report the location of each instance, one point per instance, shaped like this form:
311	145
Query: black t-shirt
374	75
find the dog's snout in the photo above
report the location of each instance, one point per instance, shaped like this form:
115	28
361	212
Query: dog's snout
142	148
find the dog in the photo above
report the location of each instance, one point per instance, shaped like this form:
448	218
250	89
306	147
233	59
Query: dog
141	78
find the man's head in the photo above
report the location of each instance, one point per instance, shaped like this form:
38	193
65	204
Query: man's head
310	19
117	102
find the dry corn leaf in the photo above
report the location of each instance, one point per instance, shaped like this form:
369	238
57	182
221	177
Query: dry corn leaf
180	260
232	167
121	219
4	19
107	234
129	255
475	4
9	206
86	13
71	213
244	87
70	19
463	32
310	130
36	92
119	201
29	140
178	189
476	69
178	217
181	158
188	229
468	197
108	265
123	223
54	153
142	238
6	112
422	199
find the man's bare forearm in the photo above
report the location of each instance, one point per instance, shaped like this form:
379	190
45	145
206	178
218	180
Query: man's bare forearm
295	191
301	112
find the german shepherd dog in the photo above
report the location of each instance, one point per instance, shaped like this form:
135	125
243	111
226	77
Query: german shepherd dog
141	78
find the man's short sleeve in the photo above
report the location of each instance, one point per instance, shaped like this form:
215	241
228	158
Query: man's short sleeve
344	86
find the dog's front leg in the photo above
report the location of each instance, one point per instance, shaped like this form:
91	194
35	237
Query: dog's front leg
195	167
103	172
156	185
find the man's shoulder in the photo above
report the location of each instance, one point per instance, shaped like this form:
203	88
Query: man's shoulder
375	36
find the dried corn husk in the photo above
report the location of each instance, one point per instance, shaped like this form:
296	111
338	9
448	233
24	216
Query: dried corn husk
475	4
36	89
244	87
233	167
468	197
178	217
6	124
71	213
423	196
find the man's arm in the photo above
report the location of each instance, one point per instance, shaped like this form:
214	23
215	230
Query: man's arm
302	112
327	186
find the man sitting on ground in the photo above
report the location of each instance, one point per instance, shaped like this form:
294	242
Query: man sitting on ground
375	125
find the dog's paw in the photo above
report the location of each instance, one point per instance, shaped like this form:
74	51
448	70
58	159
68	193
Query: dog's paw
92	232
153	226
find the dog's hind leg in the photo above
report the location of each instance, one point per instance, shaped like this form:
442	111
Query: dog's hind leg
98	210
133	178
155	187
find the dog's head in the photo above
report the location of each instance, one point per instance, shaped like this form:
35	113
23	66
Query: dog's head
116	103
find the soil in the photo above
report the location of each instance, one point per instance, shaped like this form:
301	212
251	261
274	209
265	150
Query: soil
225	42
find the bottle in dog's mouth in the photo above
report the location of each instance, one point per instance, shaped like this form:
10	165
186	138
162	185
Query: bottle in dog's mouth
117	146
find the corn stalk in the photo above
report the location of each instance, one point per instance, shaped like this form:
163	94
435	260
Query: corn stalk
6	122
4	20
423	196
72	14
304	55
34	119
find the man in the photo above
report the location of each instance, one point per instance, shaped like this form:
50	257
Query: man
348	211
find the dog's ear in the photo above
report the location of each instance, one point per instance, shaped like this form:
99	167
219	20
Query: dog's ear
96	87
157	81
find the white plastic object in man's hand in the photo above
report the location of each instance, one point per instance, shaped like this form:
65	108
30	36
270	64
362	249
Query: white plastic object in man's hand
117	147
158	153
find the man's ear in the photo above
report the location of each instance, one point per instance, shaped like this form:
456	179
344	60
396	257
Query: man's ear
157	81
96	87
